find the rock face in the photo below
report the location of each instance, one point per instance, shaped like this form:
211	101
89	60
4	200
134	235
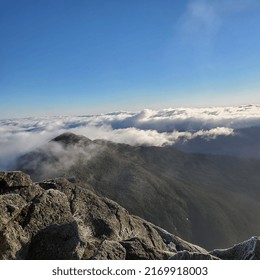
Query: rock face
247	250
57	219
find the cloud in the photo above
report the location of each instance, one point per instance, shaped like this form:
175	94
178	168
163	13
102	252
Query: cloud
202	19
63	158
147	127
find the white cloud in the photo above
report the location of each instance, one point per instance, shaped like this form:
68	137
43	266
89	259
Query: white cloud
148	127
202	19
200	16
65	157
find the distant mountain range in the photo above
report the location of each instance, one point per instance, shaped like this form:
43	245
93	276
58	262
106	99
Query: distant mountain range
209	200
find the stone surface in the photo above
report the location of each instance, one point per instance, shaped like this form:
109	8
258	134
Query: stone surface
178	244
56	242
14	179
137	249
110	250
247	250
52	207
13	242
11	206
58	219
187	255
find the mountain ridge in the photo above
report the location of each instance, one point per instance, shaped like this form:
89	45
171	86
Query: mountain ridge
208	200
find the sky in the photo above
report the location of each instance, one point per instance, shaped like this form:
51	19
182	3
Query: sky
63	57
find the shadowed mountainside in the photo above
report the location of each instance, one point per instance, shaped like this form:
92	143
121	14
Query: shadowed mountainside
245	143
213	201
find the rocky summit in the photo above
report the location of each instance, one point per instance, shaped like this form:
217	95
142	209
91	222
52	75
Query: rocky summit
59	219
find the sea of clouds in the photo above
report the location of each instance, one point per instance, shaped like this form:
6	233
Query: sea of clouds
147	127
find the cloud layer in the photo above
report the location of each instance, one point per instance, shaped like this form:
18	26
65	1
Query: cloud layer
147	127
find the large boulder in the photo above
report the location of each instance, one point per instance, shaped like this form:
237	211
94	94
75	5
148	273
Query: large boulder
14	179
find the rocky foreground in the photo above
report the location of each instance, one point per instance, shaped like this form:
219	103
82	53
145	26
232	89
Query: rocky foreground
58	219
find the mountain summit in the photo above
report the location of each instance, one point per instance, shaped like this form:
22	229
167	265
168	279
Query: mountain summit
68	138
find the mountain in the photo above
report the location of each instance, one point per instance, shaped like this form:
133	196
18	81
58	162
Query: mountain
57	219
209	200
244	142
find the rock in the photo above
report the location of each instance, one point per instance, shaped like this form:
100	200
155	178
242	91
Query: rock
26	209
187	255
56	242
18	183
58	219
177	243
137	249
11	206
13	240
110	250
16	190
14	179
247	250
105	219
89	249
52	207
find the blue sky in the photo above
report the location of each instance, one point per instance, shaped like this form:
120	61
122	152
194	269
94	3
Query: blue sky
93	56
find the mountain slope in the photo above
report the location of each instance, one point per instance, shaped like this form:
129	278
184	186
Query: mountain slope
213	201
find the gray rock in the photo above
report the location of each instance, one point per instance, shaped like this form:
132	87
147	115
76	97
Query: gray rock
57	219
187	255
26	209
247	250
137	249
11	206
56	242
110	250
13	241
103	218
52	207
14	179
18	183
177	243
